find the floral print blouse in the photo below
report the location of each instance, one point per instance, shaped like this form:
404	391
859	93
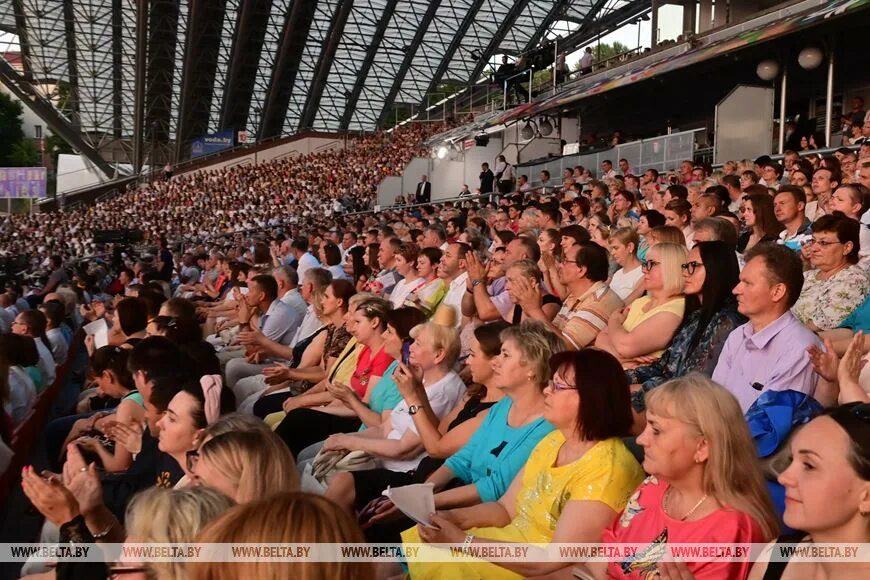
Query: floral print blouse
678	360
826	303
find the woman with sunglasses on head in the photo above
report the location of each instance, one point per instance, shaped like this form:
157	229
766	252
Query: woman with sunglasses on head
709	276
644	329
836	285
244	460
830	459
704	486
574	484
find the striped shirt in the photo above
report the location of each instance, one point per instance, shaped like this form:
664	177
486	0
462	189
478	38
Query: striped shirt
581	319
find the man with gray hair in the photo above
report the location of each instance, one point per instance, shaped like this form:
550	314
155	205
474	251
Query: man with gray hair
288	291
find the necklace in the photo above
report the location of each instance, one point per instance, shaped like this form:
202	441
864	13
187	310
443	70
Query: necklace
667	506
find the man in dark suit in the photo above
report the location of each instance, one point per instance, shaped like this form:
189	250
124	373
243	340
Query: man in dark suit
487	179
424	190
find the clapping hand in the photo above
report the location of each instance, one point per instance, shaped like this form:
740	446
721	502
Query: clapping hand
527	293
825	362
342	392
849	369
409	383
127	436
50	496
476	269
277	374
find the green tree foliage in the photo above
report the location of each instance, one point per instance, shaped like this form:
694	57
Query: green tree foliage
24	154
11	132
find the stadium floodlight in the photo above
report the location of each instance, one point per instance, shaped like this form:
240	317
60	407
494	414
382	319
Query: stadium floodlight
442	152
527	132
810	58
767	70
545	127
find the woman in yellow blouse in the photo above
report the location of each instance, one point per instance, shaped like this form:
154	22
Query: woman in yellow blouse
640	333
574	484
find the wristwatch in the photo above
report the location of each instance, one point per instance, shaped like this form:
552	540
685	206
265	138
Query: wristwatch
476	282
412	409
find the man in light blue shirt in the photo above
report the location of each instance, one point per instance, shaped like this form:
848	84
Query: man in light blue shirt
274	319
288	289
770	351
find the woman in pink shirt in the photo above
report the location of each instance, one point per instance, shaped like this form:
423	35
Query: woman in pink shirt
705	486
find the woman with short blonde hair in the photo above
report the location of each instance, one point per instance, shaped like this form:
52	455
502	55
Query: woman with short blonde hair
642	333
283	518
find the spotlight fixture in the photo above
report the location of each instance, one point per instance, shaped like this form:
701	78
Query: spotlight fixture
545	127
527	132
810	58
767	70
441	152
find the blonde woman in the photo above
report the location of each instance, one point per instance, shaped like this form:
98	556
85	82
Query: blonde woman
670	234
704	486
157	515
643	331
283	518
396	443
244	465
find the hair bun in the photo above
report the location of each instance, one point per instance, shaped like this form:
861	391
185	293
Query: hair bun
445	316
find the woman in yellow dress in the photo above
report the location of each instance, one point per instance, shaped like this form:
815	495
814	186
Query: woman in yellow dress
574	484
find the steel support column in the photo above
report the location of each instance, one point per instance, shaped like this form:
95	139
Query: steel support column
454	45
250	31
415	45
295	32
324	64
72	61
28	93
200	63
363	73
139	97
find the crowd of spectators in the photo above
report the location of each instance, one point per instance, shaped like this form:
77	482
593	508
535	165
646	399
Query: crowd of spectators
637	358
205	204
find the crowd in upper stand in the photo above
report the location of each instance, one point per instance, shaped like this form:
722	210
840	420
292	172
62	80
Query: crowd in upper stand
637	357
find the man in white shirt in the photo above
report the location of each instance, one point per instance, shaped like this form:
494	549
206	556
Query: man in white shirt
305	260
453	273
607	171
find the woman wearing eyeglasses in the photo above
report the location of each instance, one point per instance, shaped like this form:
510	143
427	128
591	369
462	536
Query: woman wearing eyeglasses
836	285
644	330
827	493
574	484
